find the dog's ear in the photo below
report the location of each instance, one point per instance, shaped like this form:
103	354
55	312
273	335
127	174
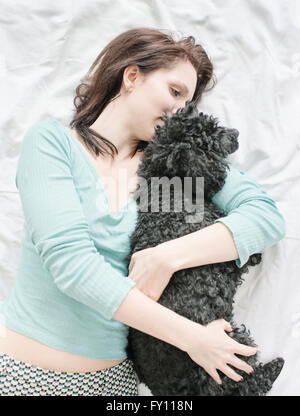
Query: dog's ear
215	140
226	142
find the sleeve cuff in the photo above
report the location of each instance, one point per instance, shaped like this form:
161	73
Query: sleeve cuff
243	237
124	286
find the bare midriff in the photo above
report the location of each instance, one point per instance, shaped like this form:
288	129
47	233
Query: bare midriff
33	352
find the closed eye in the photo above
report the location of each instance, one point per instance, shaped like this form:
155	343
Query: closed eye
175	92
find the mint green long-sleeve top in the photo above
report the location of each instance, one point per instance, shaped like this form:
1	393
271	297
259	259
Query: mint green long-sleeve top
72	277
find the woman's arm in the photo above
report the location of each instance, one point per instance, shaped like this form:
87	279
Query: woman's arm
208	346
253	223
212	244
57	224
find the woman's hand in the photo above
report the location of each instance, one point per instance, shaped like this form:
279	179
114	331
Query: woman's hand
213	349
151	271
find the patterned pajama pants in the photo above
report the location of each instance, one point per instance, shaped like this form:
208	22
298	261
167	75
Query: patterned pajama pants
18	378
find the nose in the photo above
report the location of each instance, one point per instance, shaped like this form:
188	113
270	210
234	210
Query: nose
174	109
177	108
234	133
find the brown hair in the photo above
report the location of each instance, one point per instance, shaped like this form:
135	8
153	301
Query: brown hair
149	49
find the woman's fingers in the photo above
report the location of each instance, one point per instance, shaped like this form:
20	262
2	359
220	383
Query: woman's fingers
240	364
223	323
227	326
223	357
242	349
214	374
231	373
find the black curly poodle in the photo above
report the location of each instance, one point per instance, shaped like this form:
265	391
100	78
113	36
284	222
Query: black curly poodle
190	144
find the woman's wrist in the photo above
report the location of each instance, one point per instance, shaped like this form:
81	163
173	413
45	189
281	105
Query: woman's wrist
211	244
142	313
168	251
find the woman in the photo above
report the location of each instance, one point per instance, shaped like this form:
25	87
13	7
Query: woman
66	319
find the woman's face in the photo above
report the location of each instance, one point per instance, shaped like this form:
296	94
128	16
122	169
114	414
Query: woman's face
161	90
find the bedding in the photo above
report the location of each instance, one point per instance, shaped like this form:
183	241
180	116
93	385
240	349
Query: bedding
46	48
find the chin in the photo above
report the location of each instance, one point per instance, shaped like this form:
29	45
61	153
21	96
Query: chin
157	123
160	122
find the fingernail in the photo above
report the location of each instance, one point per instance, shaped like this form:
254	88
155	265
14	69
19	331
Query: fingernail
241	379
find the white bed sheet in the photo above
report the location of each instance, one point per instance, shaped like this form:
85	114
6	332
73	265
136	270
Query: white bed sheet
46	47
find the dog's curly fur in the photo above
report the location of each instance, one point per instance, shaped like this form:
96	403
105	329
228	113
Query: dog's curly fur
192	144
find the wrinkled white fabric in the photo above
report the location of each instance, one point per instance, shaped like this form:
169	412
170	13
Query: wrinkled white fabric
46	48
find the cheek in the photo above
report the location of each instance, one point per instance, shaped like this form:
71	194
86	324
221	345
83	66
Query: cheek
158	97
147	109
142	120
147	106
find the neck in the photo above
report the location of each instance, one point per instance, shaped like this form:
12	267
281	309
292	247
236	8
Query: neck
117	133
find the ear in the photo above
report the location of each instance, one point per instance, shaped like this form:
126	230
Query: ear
131	75
229	143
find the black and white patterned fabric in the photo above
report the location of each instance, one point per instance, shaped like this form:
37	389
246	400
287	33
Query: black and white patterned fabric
18	378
